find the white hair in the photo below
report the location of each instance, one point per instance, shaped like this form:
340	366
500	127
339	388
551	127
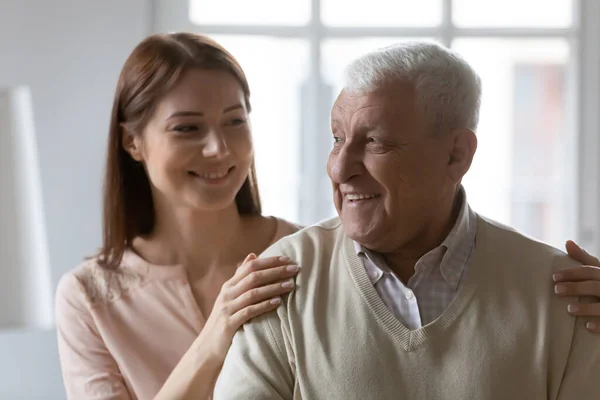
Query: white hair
448	90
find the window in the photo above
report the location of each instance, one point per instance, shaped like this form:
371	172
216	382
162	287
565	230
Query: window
530	55
381	13
236	12
515	177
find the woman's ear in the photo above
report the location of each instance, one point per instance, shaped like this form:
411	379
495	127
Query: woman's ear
132	144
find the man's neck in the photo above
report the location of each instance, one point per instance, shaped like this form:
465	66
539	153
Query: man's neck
403	260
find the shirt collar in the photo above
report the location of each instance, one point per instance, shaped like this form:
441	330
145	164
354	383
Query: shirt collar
456	248
459	243
375	265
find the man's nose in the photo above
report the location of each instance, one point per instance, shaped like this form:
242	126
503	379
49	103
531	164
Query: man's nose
345	164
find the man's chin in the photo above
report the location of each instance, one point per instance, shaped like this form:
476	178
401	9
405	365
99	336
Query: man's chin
360	232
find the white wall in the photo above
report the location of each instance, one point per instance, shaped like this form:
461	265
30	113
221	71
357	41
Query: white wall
69	52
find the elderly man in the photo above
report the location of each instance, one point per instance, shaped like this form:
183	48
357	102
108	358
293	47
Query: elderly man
410	294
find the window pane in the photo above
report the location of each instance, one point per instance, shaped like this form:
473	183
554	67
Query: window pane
275	69
513	13
522	173
245	12
382	13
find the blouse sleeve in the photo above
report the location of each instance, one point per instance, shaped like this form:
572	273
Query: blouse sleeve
89	370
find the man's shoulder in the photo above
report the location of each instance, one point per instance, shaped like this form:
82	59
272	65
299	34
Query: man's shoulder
325	227
318	250
523	250
310	239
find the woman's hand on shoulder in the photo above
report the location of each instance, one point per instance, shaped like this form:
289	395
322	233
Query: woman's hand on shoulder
254	289
581	281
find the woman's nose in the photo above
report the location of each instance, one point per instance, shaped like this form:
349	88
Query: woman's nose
215	145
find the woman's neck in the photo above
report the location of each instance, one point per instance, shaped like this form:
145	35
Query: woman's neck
190	237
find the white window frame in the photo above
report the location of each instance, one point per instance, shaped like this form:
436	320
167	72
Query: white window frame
172	15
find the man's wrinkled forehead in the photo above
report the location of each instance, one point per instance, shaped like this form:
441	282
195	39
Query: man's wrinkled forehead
390	106
349	103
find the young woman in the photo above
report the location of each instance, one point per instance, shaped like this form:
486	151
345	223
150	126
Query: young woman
177	270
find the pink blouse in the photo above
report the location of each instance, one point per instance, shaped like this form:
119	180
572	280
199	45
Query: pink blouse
121	333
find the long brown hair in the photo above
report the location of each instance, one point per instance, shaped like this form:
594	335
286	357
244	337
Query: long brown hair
153	68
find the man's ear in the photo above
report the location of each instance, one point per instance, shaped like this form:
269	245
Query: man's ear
132	144
462	147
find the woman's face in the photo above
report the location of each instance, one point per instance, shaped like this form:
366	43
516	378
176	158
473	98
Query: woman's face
197	147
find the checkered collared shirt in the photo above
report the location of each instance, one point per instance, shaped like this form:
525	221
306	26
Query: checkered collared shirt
437	274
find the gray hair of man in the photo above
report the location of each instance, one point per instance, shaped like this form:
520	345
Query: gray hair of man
448	89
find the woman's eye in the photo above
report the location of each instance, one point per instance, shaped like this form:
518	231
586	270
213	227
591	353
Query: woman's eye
237	121
337	140
185	128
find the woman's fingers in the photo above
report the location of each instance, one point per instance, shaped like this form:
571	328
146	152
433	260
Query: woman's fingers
584	288
260	294
587	310
248	258
578	253
584	310
593	326
262	278
247	313
252	264
582	281
585	273
255	289
589	272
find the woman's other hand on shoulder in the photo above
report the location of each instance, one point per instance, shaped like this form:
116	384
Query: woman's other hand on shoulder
581	281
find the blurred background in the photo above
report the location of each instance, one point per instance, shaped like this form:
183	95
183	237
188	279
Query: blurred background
536	167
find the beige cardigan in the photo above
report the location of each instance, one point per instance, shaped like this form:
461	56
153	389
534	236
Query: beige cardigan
505	336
